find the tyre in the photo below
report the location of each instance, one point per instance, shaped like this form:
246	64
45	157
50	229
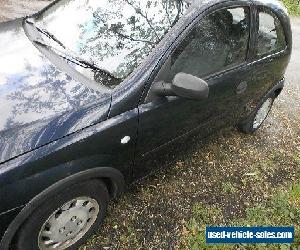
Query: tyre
66	220
256	119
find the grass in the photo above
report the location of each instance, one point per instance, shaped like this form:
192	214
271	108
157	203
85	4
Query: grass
295	195
296	158
293	7
282	209
228	187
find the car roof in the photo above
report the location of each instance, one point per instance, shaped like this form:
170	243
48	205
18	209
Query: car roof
275	5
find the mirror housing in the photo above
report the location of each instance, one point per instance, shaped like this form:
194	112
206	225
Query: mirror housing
184	85
189	86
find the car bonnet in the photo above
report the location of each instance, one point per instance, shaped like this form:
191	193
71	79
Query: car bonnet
39	102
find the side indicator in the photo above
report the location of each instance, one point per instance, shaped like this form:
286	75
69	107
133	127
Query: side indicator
125	139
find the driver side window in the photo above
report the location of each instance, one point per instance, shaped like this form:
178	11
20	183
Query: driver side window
218	42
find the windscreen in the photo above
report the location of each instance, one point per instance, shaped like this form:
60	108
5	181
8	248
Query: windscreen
114	34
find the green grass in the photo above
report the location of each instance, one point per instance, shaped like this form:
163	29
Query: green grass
296	158
295	195
293	6
228	187
282	209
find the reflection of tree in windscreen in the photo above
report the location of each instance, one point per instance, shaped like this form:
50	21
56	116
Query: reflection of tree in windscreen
124	32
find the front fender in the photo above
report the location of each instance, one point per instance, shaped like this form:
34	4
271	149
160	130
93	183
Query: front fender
97	146
112	177
95	152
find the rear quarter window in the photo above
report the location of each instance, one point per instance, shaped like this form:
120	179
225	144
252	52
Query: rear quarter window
271	36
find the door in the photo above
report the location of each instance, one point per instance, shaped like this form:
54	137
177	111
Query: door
271	55
215	50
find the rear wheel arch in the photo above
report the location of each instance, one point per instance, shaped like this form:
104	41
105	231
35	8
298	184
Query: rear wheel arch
278	91
111	177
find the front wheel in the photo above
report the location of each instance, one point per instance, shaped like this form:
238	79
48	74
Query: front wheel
66	220
256	119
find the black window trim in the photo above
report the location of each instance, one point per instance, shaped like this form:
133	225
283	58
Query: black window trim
210	10
273	53
248	57
190	24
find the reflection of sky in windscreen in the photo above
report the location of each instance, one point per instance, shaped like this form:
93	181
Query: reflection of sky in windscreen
87	28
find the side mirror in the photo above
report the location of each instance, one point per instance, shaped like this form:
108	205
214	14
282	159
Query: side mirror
183	85
189	86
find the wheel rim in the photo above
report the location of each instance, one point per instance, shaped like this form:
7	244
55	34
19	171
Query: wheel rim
68	223
262	113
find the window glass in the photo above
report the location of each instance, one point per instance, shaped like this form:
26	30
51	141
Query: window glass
271	36
114	34
218	42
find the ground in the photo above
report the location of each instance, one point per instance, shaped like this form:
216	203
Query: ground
10	9
230	178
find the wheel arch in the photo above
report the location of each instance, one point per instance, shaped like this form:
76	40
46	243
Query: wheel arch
278	91
113	179
278	87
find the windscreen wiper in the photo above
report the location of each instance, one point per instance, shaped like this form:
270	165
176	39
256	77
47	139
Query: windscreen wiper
71	57
45	32
67	54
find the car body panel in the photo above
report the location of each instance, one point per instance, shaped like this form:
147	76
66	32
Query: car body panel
6	219
179	117
96	146
39	102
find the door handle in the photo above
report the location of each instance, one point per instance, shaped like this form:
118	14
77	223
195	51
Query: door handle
242	87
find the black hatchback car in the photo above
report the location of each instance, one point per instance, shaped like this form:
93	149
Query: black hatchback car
96	94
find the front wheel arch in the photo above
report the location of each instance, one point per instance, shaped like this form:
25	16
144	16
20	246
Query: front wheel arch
113	179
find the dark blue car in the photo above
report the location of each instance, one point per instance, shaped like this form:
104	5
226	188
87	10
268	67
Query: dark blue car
97	94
